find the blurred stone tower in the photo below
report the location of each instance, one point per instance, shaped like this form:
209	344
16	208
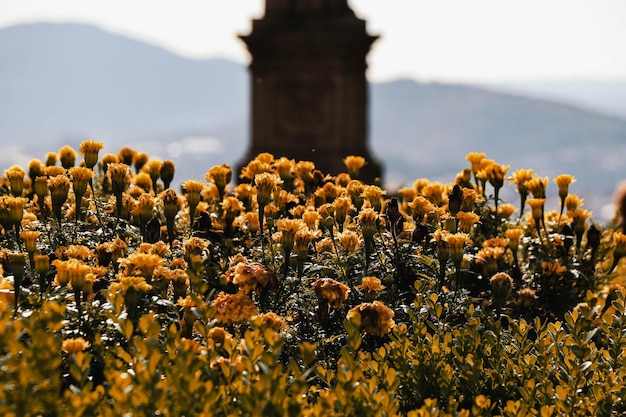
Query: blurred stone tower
309	90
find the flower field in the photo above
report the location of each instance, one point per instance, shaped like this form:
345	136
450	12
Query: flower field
296	293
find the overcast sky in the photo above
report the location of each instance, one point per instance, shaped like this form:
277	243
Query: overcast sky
429	40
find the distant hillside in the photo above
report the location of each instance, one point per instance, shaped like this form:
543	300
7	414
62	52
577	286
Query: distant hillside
63	83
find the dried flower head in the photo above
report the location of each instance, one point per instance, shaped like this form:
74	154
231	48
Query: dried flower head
330	292
374	318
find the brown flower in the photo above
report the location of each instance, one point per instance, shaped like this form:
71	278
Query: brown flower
373	318
331	292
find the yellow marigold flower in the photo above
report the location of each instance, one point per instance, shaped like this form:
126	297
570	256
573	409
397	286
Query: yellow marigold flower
368	219
420	207
342	206
253	276
80	179
496	242
496	173
220	175
12	209
67	155
456	245
370	286
140	159
434	193
143	181
552	268
75	345
520	178
302	241
90	148
342	179
354	165
80	252
536	204
125	283
270	320
284	168
126	155
219	335
266	183
488	258
572	202
475	158
578	217
119	177
374	195
349	241
282	198
467	220
233	308
563	181
514	235
167	172
42	263
142	264
51	159
254	168
311	218
374	318
15	175
171	203
506	210
304	170
330	191
287	229
537	186
330	292
324	245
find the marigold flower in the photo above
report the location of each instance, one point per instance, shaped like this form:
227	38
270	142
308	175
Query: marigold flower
552	268
506	210
374	195
311	218
233	308
514	235
140	159
537	186
287	231
142	264
475	158
302	240
354	165
374	318
270	320
167	172
253	276
324	245
467	220
330	292
368	219
456	245
342	206
126	155
488	258
355	189
619	242
80	252
496	242
221	176
15	175
304	171
370	286
75	345
90	148
80	179
284	167
119	177
433	192
12	210
42	263
572	202
67	155
219	335
127	283
536	204
496	173
266	183
349	241
420	207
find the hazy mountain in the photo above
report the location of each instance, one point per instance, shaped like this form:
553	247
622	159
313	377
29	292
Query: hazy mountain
63	83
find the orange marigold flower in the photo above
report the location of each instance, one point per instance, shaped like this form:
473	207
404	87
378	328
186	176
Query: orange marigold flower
233	308
331	292
373	318
74	345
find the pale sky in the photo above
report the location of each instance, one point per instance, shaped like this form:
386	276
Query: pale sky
429	40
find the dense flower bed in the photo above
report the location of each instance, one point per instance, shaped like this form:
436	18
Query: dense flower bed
299	293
